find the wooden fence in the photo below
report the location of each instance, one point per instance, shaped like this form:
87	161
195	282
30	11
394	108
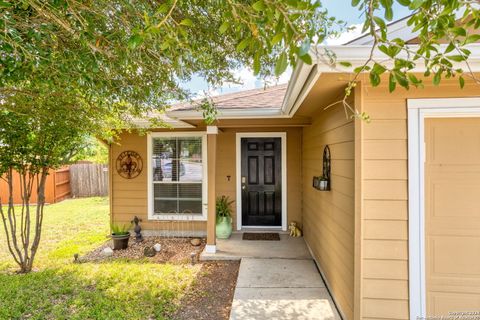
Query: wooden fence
89	180
57	188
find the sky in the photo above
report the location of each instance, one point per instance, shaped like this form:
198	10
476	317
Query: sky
341	9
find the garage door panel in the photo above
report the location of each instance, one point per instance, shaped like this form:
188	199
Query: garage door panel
454	256
442	304
464	189
452	215
454	142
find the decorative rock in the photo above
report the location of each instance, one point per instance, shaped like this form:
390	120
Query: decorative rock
157	247
107	252
196	242
149	252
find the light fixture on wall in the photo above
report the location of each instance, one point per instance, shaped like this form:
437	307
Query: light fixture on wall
322	183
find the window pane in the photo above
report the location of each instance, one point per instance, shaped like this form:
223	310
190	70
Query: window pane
165	206
177	175
188	207
190	148
190	190
165	190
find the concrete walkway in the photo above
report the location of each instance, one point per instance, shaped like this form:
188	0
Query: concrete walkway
281	289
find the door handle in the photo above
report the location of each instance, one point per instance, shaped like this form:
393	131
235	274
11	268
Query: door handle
244	180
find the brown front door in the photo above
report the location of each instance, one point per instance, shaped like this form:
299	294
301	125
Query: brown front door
261	181
452	216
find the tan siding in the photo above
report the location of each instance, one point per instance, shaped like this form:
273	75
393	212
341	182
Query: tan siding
385	195
329	216
129	197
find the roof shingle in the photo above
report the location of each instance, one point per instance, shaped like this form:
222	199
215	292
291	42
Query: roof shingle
271	97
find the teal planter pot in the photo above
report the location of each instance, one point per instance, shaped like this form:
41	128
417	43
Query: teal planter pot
223	227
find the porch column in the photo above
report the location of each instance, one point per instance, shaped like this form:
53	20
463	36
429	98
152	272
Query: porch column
212	132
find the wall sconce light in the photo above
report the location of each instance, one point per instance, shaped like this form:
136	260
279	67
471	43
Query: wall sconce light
323	183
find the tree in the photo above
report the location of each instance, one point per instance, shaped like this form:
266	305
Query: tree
32	142
97	65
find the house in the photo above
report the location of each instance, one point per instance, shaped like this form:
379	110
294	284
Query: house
397	236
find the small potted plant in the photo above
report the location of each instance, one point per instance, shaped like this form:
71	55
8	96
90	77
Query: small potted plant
223	226
120	237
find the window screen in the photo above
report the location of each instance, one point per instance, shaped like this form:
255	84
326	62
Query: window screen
177	175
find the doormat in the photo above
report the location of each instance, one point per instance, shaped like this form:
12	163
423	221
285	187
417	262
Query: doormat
261	236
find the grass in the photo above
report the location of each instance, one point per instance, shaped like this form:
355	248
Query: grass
59	289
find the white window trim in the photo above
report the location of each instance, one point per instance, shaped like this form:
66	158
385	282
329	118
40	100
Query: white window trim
418	111
283	137
194	217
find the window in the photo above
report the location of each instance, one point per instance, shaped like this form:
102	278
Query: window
177	176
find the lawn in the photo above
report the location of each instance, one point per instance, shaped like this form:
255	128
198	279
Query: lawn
60	289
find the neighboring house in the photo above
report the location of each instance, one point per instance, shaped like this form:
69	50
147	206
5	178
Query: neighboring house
398	234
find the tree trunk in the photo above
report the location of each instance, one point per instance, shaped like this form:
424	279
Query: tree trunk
21	243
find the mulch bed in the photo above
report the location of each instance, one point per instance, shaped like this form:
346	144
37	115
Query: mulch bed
174	250
261	236
211	296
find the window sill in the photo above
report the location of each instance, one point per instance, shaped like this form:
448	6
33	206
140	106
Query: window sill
173	217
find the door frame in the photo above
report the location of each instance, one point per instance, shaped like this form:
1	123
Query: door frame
418	111
283	137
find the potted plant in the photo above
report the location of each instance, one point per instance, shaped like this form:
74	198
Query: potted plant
223	226
120	237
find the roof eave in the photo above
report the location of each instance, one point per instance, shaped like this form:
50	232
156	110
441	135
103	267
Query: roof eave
304	76
230	114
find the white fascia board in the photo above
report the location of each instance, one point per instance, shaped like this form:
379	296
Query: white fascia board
295	84
398	29
231	114
169	122
357	55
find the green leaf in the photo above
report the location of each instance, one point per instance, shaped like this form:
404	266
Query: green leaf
374	78
384	49
415	4
450	47
135	41
243	44
401	79
456	58
258	6
472	38
4	4
186	22
276	38
461	80
378	68
379	21
256	63
355	3
306	58
392	83
224	27
404	3
437	77
281	64
345	64
459	31
389	13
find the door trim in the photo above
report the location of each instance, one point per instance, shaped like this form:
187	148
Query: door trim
418	111
283	137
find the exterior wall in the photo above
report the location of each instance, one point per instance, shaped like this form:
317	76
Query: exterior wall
129	197
384	280
328	217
